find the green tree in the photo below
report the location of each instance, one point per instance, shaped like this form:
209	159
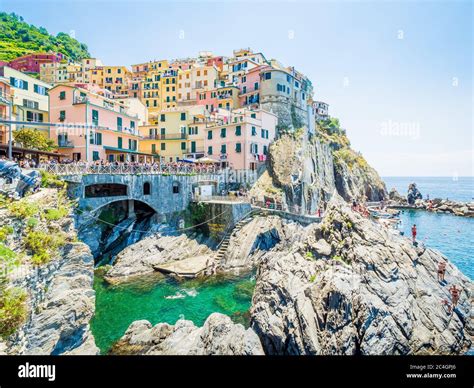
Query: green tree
33	139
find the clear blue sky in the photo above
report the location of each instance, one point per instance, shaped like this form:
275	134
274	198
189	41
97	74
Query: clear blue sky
397	74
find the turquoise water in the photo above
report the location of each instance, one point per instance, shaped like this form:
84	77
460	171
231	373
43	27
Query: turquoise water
451	235
454	188
160	299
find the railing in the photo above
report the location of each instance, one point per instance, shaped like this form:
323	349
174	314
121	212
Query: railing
81	169
168	136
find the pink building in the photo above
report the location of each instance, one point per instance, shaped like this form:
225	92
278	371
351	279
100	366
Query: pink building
216	61
94	127
240	140
220	98
31	63
249	84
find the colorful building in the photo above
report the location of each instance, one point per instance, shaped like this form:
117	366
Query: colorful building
174	134
31	63
195	78
29	98
220	98
6	98
116	79
240	139
94	127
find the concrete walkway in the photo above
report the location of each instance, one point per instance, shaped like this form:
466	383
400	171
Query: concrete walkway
187	268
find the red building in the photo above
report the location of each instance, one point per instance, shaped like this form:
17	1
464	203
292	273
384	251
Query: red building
31	63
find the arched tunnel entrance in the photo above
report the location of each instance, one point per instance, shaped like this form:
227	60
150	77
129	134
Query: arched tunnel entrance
118	211
118	225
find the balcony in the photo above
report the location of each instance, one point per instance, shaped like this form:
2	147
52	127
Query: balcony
167	136
64	143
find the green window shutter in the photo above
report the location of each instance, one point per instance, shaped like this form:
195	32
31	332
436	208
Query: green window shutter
120	141
209	135
238	147
183	145
223	149
119	123
163	146
223	132
209	150
153	148
183	116
95	117
254	131
238	130
62	95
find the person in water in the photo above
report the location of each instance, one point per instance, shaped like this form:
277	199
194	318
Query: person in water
441	271
413	233
455	293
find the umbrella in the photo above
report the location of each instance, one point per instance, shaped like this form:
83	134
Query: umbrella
207	160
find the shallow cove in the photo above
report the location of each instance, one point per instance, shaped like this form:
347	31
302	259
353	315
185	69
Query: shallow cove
161	299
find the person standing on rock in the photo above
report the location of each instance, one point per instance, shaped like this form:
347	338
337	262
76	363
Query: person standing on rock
441	271
455	293
413	233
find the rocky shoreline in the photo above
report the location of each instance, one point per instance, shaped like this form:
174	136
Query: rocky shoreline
344	286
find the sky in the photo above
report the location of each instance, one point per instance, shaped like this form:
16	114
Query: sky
398	75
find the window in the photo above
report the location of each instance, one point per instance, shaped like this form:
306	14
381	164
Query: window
40	89
288	78
119	140
98	138
209	135
238	130
175	188
119	123
223	149
95	117
163	146
18	83
253	115
146	188
132	124
265	150
62	95
183	116
95	155
153	148
254	131
183	146
254	148
162	117
268	75
62	115
238	147
223	132
209	150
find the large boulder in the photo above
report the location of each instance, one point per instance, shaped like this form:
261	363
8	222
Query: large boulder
371	292
413	194
218	336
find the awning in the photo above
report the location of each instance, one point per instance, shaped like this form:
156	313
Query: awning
31	151
121	150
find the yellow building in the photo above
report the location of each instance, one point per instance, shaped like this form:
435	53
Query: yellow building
169	88
174	134
116	79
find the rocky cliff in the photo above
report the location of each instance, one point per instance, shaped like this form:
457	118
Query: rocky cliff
47	299
218	336
352	287
304	170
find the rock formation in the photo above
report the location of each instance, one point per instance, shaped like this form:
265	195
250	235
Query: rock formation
353	288
139	258
60	300
218	336
413	194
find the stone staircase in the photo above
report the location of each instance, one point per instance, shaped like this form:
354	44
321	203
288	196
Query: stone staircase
224	244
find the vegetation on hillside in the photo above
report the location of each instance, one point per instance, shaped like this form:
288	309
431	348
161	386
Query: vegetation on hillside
18	38
331	132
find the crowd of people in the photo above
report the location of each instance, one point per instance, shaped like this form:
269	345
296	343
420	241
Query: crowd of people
155	166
